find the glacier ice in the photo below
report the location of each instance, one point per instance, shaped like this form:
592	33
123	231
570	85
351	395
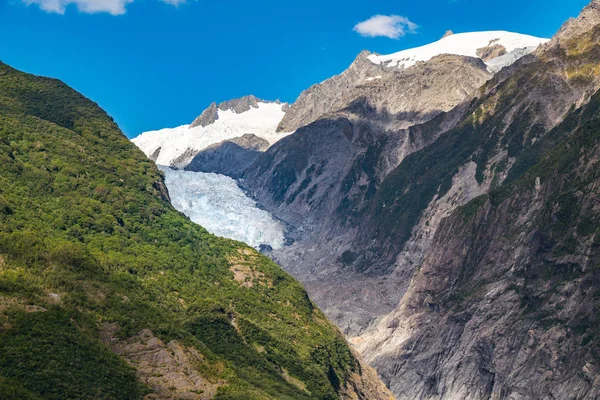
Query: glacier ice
218	204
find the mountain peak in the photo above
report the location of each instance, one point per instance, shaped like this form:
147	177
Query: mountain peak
207	117
240	105
587	19
448	33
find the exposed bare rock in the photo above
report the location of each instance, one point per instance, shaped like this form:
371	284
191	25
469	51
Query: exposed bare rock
321	98
230	157
365	189
240	105
505	304
490	52
366	386
170	370
207	117
448	33
251	142
586	21
155	154
413	95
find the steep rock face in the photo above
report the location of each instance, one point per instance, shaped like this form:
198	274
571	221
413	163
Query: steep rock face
517	108
322	98
587	20
230	157
207	117
505	304
370	117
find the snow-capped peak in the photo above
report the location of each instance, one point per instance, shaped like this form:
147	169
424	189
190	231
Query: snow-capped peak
464	44
177	146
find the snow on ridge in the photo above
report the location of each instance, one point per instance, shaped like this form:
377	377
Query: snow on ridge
217	203
463	44
175	142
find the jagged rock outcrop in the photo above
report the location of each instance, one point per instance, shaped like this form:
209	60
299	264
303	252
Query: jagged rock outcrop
491	51
413	96
230	157
207	117
586	21
240	105
322	98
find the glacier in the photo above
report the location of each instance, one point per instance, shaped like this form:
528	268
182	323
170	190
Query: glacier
218	204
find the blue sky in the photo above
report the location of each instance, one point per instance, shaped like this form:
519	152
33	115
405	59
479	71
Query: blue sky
152	65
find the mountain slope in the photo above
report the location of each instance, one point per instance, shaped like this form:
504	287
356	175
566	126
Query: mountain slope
107	292
506	302
372	228
503	299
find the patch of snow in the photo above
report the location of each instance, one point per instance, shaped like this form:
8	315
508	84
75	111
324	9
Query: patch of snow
372	78
217	203
175	142
463	44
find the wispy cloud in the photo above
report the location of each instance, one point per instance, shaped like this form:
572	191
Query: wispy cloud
113	7
391	26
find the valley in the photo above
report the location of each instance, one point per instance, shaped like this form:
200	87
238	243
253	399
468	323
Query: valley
440	205
424	225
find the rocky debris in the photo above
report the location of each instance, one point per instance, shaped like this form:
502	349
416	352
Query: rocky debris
208	116
170	370
341	180
230	157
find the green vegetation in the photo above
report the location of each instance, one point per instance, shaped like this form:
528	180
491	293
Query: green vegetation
87	237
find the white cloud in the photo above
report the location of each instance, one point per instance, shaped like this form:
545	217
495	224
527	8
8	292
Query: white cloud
391	26
174	2
113	7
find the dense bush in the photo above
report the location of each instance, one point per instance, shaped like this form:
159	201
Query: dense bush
82	215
